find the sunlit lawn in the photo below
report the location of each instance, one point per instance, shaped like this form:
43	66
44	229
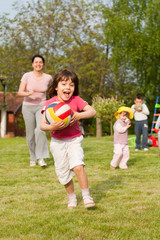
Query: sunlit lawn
33	204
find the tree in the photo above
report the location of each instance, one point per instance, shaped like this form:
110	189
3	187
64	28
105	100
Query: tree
113	49
73	40
133	31
66	40
106	107
132	28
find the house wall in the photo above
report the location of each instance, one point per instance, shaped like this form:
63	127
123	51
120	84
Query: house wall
13	124
10	123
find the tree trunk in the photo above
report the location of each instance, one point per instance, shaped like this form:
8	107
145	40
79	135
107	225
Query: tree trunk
98	127
111	128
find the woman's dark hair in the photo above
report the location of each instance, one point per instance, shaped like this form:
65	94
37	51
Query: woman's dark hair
39	56
62	75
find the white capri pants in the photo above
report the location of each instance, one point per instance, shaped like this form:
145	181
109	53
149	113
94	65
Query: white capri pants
121	156
67	154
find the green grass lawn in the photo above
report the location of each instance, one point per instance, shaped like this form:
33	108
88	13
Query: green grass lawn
33	204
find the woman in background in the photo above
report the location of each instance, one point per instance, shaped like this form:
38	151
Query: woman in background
33	88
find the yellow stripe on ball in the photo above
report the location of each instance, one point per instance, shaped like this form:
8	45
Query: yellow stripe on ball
53	115
55	118
66	121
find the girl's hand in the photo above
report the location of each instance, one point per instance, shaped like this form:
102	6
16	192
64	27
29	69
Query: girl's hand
57	125
128	124
44	126
75	118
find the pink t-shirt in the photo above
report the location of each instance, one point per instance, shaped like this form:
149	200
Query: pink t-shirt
40	88
120	132
77	104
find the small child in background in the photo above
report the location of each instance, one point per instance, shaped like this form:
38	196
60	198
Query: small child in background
121	149
157	130
141	113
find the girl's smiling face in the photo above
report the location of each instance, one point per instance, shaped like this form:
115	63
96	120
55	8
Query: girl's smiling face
65	90
123	116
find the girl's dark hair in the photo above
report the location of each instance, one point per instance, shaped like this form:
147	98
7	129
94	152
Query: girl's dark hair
62	75
39	56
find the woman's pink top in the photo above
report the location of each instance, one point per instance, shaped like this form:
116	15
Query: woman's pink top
39	88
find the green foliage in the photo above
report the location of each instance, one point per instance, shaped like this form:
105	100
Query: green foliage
69	40
21	123
92	128
133	32
106	107
113	48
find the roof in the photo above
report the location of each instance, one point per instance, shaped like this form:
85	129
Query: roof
14	102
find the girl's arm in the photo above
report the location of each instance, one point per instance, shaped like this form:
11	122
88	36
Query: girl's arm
88	112
44	126
22	92
121	129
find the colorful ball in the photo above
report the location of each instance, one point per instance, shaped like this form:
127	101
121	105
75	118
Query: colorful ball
58	111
